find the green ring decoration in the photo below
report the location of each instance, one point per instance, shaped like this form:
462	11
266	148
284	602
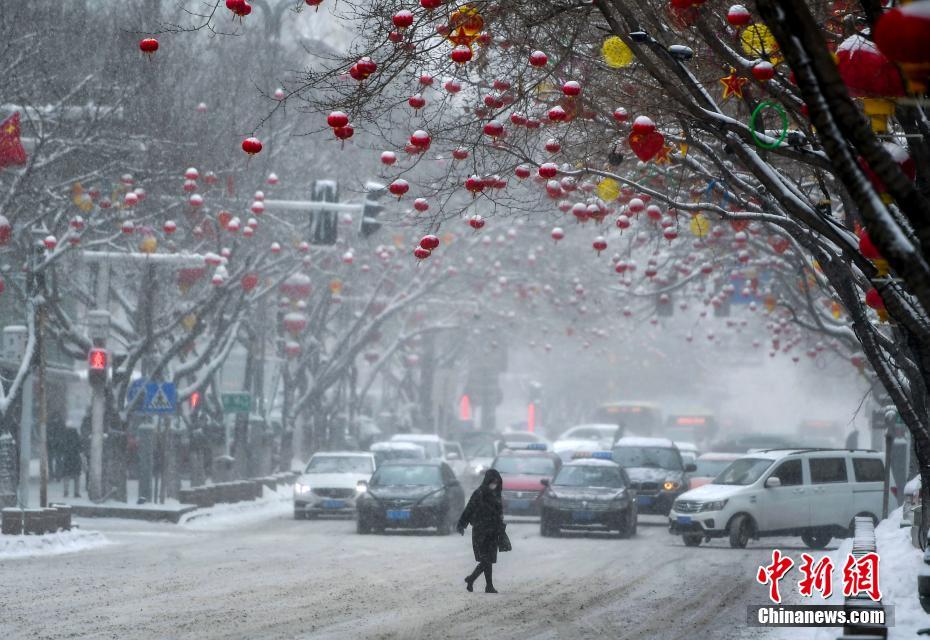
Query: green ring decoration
768	104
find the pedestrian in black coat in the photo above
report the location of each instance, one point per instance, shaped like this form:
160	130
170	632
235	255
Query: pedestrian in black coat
485	513
71	462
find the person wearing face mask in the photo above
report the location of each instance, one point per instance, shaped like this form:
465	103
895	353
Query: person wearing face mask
485	513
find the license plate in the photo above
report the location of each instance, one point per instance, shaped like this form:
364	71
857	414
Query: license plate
398	514
519	505
334	504
684	519
582	516
644	500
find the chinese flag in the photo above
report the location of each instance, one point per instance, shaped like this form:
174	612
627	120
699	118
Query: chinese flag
11	149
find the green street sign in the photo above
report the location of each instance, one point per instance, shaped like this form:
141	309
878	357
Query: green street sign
237	402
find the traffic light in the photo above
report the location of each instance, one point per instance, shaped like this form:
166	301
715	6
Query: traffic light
194	400
97	360
324	224
372	208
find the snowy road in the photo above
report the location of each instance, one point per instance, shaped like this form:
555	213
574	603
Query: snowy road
279	578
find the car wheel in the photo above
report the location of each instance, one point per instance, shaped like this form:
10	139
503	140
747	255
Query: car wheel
816	538
740	531
692	539
546	530
299	515
628	525
361	526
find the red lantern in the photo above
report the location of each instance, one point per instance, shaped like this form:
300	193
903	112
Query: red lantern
429	242
538	59
292	349
452	86
763	71
421	204
295	323
474	184
494	129
902	35
548	170
170	227
476	222
249	281
522	171
388	158
557	233
599	244
297	286
420	139
403	19
344	133
337	119
416	101
422	253
738	15
552	145
571	88
557	114
460	153
399	187
461	54
874	300
148	46
871	76
621	115
251	146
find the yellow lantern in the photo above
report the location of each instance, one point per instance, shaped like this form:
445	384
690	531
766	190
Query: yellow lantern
189	321
700	225
608	189
148	245
758	42
335	287
615	53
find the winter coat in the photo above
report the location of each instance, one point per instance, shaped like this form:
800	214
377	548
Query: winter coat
71	463
485	513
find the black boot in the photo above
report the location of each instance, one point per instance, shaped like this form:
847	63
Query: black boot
488	579
470	579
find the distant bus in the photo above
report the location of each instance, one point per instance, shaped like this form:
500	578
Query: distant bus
635	418
821	433
698	428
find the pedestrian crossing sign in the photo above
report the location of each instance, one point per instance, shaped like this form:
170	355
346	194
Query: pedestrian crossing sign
158	398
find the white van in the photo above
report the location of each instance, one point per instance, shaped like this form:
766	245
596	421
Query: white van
812	493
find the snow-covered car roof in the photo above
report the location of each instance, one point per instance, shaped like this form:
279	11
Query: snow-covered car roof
396	446
591	462
638	441
600	426
342	454
686	446
576	445
778	454
415	437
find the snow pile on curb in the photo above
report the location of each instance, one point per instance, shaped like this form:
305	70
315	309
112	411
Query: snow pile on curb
899	562
273	503
50	544
898	566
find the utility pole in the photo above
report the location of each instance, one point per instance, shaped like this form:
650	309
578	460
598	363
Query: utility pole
14	349
42	402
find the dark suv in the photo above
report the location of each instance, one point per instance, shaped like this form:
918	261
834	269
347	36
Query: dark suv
656	472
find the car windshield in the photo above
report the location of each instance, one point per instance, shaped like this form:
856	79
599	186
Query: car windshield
479	449
430	446
744	471
525	465
416	475
339	464
658	457
589	476
586	433
710	468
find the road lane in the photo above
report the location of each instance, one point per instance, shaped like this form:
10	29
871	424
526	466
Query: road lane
280	578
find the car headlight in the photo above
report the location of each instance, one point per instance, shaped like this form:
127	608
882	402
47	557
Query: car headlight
301	488
716	505
478	468
431	500
671	485
361	487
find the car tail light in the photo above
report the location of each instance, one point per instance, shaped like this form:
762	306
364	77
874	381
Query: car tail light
894	491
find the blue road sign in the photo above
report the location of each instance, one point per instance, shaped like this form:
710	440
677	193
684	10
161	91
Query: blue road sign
158	397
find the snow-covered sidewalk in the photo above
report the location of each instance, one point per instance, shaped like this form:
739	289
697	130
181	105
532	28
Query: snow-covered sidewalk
899	563
50	544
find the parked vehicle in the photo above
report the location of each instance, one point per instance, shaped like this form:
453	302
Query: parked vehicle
693	427
480	452
911	513
329	484
406	494
656	471
812	493
586	492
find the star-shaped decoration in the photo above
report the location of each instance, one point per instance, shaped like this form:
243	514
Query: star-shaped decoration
733	85
662	157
